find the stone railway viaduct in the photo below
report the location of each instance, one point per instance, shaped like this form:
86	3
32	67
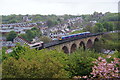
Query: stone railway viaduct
71	46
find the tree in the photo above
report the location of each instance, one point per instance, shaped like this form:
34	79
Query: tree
31	63
75	32
95	29
13	21
36	64
79	63
104	69
59	20
109	42
30	34
108	26
11	35
49	23
36	31
45	39
87	28
100	27
34	28
3	55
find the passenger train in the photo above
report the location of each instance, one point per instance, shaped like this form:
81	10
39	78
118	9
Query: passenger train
40	45
74	35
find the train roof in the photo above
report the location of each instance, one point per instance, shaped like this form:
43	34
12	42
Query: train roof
86	32
75	34
36	43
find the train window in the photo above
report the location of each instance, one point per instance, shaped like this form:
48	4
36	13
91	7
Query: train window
36	45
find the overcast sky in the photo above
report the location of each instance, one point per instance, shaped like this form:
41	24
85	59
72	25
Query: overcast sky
58	7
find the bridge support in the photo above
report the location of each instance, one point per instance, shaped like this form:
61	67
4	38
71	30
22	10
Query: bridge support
70	47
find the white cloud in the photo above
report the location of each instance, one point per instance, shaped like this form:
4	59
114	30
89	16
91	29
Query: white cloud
57	6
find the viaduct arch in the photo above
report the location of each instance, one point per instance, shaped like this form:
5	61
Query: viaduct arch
89	44
65	49
70	47
82	45
73	48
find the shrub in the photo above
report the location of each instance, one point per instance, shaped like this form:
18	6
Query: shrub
103	69
108	41
80	62
36	64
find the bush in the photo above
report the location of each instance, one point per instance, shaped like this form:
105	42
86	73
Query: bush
108	41
103	69
107	67
11	35
30	63
45	39
80	62
36	64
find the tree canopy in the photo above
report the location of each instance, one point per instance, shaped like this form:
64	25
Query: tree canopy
11	35
30	34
